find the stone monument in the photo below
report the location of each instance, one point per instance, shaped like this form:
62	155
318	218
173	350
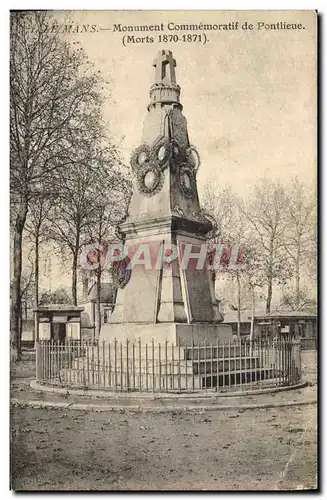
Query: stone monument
166	299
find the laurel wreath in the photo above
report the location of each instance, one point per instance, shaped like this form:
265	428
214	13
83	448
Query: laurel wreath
187	157
144	148
158	144
120	274
195	163
187	191
158	180
178	158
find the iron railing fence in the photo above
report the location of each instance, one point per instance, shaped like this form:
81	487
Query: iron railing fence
309	344
167	367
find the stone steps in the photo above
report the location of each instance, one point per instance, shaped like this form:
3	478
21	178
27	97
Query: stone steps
189	365
166	381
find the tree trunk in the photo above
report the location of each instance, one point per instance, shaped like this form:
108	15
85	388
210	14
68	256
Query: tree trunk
17	271
98	285
238	306
74	278
252	313
36	269
297	279
269	297
74	270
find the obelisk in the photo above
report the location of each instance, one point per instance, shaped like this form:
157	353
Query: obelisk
170	301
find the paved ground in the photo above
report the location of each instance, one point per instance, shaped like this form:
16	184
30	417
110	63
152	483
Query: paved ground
195	450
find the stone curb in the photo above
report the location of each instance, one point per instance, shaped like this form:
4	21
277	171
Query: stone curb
94	393
168	408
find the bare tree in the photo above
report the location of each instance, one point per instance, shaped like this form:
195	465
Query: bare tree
223	206
51	87
299	239
26	294
301	300
252	275
37	229
96	174
111	209
220	203
265	213
27	291
58	296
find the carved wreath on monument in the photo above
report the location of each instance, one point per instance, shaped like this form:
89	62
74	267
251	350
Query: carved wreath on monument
121	273
187	181
150	179
149	163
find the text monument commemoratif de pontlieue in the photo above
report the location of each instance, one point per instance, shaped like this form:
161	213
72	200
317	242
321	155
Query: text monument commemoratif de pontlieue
169	302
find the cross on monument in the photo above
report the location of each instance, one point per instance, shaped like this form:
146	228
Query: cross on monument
165	67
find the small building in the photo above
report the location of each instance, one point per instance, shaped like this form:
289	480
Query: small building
293	323
58	322
274	324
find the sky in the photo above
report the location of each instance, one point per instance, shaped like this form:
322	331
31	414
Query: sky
249	96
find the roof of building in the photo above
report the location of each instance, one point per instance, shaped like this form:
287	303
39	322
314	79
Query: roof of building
59	307
232	316
287	314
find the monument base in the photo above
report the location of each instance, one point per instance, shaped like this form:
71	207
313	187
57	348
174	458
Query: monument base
178	333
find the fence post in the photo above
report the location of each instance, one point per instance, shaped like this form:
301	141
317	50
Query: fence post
103	363
127	367
300	361
172	365
153	374
83	367
223	358
192	357
115	362
133	364
59	363
140	365
159	357
88	363
69	360
121	366
205	364
179	368
186	365
199	366
166	365
146	367
218	368
51	360
229	367
211	367
110	382
235	364
37	360
240	358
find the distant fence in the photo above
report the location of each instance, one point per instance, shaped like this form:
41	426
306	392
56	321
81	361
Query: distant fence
308	344
167	367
